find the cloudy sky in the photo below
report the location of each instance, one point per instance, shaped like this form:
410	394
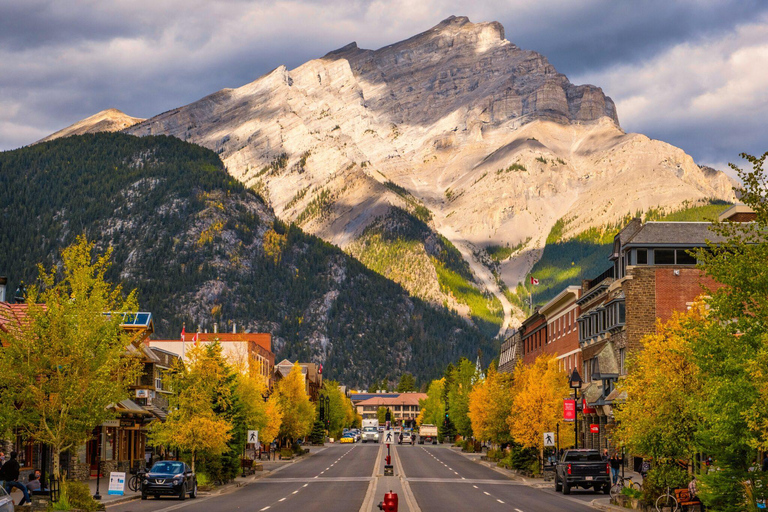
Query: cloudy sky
691	72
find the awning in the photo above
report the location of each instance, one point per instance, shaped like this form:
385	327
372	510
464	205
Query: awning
130	407
617	395
156	412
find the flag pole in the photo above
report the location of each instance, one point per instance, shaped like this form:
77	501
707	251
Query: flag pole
183	341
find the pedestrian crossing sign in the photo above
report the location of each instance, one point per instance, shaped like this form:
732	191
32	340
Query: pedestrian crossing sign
389	436
549	439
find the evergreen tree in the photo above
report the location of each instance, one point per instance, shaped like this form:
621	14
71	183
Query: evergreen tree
407	383
318	433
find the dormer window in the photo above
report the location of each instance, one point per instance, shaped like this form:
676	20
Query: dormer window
641	256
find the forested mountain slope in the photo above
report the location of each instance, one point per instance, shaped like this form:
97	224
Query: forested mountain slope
201	248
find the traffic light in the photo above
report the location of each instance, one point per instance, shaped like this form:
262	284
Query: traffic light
388	415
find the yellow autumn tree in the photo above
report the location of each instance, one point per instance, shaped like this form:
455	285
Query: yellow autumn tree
538	405
432	408
258	414
298	411
490	405
659	417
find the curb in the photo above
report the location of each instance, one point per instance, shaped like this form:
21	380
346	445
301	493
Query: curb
605	506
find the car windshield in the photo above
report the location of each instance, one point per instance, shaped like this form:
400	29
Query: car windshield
369	429
583	457
168	467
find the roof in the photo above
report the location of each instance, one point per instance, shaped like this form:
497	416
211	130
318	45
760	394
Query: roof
735	210
263	339
401	399
561	299
11	314
675	233
359	397
129	406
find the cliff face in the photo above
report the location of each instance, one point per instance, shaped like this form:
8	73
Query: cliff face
487	138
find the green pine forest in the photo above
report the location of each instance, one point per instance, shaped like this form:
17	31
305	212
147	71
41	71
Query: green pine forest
201	248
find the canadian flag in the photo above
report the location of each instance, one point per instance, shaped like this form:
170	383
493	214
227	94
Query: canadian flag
194	338
183	332
534	281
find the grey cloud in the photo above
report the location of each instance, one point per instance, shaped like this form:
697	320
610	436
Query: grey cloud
63	61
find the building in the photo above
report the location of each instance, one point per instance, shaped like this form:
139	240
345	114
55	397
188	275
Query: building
403	406
313	376
533	336
511	351
242	350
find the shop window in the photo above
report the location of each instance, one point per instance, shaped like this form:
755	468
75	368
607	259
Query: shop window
684	258
664	256
642	256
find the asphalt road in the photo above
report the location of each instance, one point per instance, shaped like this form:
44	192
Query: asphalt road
443	480
343	478
335	478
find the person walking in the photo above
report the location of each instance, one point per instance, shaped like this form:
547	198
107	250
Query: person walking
616	463
9	473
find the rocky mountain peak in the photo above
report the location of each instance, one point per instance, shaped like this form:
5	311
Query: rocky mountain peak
108	120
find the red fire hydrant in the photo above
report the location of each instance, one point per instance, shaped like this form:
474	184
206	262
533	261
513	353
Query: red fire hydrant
390	502
388	460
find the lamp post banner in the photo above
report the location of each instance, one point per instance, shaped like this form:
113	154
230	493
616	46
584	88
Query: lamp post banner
569	409
587	409
594	428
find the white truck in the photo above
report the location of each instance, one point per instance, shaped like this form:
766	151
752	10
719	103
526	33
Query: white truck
428	434
371	431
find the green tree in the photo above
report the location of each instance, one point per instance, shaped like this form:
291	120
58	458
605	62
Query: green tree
381	414
298	412
67	361
340	411
432	408
458	396
407	383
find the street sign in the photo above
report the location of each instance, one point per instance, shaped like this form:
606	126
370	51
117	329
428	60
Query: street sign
594	428
253	437
549	439
116	483
389	436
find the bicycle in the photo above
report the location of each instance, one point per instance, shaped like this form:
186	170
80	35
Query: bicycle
136	480
667	501
623	482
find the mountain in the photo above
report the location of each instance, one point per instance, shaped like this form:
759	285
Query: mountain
201	248
484	141
110	120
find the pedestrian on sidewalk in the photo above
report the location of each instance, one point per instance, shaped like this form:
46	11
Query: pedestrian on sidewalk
605	455
9	473
616	462
273	448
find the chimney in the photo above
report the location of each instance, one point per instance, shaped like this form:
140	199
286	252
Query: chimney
234	328
3	286
215	327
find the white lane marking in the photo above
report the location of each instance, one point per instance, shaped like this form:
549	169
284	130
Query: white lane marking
265	508
474	486
462	478
499	501
308	484
281	499
518	510
486	493
294	492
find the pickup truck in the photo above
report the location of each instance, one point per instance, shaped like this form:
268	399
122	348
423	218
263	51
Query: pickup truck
428	434
582	468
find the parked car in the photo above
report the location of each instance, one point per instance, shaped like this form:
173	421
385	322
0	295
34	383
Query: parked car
169	478
6	502
407	436
582	468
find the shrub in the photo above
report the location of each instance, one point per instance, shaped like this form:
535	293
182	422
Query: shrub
632	493
662	477
286	453
76	495
495	454
203	479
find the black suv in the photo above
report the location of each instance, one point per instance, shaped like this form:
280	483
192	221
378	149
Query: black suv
169	478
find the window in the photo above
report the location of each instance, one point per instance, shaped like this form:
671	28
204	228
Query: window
684	258
664	256
642	256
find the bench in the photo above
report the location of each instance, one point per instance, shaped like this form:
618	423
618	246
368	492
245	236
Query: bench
247	466
684	499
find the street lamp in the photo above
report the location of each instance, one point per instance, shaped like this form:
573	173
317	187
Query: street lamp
575	384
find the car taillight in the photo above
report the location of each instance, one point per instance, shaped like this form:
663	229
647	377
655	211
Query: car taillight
608	468
569	469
